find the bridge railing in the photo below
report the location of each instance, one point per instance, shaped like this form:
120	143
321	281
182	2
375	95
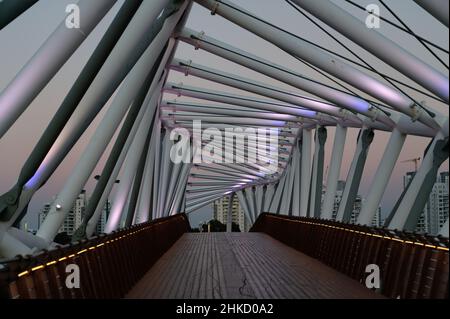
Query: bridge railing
411	265
109	265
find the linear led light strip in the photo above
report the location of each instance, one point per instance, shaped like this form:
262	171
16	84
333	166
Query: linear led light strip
369	234
53	262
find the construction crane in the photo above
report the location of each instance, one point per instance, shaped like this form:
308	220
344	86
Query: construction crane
415	160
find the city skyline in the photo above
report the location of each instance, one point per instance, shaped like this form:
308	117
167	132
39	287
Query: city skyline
75	217
219	208
436	210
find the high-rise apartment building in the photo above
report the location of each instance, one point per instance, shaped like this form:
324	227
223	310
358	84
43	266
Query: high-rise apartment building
103	218
376	222
435	212
238	216
73	218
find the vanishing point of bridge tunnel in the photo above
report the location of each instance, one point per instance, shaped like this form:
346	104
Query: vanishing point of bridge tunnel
123	122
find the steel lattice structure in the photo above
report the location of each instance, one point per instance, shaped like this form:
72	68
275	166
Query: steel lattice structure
138	49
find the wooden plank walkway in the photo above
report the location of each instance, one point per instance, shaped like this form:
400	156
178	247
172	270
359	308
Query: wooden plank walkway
242	266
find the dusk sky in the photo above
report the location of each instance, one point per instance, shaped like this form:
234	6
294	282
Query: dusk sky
24	36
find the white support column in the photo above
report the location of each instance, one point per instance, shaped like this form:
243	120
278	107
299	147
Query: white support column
94	150
89	103
131	164
143	208
46	62
244	206
156	172
268	196
381	178
165	167
11	246
182	205
174	179
426	174
287	191
444	229
127	51
179	200
354	175
230	213
124	213
248	201
276	200
90	228
317	173
334	171
305	171
297	180
92	223
259	197
250	195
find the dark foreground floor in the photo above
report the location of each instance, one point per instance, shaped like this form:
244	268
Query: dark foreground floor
242	265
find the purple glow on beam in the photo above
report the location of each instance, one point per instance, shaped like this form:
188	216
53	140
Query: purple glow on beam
324	107
276	123
116	212
287	117
357	104
39	177
34	181
301	112
51	160
251	177
443	87
306	113
385	93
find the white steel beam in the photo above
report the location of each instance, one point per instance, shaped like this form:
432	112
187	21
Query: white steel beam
46	62
437	8
380	46
200	40
305	173
381	178
131	164
416	196
334	171
332	65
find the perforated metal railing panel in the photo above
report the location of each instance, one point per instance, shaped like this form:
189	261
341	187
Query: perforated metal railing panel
109	265
411	265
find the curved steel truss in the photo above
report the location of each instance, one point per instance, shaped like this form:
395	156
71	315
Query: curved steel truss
173	154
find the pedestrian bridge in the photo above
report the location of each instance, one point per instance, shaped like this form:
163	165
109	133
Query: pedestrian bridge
384	90
282	257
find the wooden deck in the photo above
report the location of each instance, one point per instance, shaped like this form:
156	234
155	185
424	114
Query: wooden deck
240	266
